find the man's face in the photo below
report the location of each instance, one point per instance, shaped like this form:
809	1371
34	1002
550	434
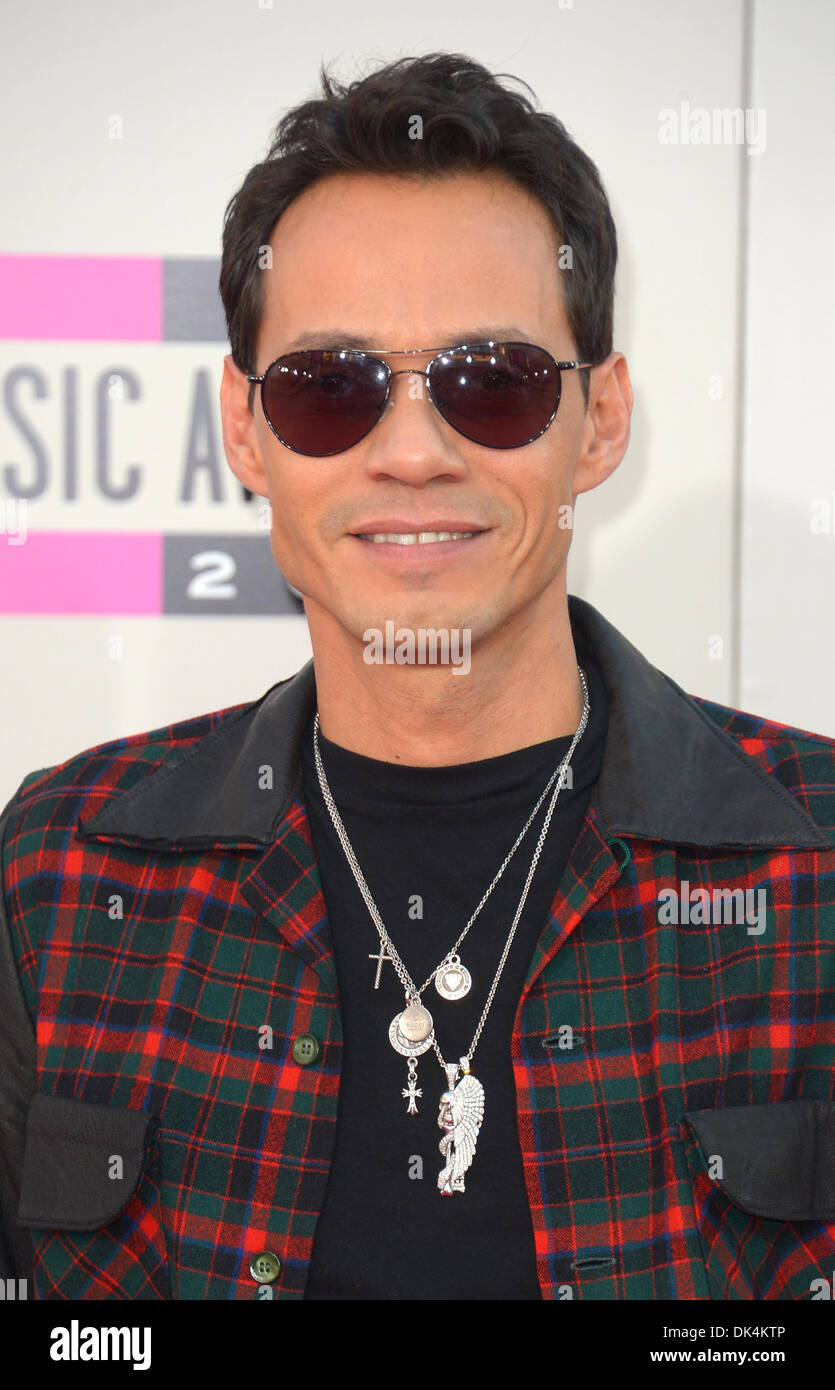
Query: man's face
405	264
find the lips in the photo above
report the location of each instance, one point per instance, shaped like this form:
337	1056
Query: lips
411	538
398	526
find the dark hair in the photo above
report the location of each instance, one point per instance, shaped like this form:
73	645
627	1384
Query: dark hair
470	123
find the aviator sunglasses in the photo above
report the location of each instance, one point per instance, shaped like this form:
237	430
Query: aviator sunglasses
321	401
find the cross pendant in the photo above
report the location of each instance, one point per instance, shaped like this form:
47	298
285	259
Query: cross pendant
381	959
410	1092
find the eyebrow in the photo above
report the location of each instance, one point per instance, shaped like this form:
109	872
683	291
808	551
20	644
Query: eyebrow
337	339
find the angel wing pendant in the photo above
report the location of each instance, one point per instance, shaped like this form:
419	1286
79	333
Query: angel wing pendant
460	1116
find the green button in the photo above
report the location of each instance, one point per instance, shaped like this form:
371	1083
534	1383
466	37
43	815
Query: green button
265	1267
306	1049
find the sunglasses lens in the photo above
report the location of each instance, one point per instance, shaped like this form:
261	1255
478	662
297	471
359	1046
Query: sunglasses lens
322	402
504	395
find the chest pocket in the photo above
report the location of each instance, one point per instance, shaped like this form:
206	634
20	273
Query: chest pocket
763	1181
90	1195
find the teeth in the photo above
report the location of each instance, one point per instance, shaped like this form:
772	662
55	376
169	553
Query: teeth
418	537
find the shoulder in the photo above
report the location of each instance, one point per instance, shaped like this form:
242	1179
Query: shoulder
55	798
802	761
38	841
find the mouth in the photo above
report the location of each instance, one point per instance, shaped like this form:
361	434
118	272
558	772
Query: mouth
401	533
421	550
415	537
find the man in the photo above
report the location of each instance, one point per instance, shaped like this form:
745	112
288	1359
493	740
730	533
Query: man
505	977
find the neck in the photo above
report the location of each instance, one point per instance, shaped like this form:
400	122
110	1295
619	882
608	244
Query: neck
523	688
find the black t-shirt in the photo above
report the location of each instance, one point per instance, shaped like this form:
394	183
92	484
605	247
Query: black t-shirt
429	841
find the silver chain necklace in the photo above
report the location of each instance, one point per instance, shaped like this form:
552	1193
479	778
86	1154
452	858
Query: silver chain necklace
412	1031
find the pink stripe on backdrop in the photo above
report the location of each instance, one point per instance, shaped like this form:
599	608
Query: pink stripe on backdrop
81	298
82	572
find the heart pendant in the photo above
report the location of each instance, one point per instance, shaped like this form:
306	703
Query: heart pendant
452	979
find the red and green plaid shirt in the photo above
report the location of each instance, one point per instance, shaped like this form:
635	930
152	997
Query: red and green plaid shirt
673	1051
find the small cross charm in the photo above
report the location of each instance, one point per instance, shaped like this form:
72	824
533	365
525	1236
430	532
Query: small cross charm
409	1092
381	959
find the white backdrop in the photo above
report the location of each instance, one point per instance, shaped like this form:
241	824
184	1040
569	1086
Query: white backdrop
719	522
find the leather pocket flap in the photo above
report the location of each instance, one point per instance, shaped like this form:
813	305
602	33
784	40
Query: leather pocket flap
82	1162
777	1160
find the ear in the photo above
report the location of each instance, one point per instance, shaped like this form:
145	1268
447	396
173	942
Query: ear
606	426
240	438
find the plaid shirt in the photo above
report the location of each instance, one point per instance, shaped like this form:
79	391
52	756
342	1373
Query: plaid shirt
673	1054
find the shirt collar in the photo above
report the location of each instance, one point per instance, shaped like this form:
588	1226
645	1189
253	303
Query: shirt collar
669	772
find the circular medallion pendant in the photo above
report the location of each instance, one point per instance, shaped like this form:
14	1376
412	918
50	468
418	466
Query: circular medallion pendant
452	979
410	1032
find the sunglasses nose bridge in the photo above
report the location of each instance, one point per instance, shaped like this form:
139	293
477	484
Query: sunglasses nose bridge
404	371
409	371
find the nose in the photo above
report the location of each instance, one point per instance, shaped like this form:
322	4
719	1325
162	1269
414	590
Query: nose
412	441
